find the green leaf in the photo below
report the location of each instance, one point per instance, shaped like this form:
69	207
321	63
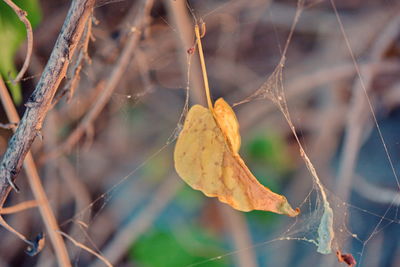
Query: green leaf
12	35
269	150
182	247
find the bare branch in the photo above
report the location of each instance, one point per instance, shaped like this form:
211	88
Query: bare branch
73	73
19	207
40	100
31	123
29	37
141	20
4	224
37	189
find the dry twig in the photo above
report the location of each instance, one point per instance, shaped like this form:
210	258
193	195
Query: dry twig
37	188
183	22
40	101
31	123
91	251
19	207
141	20
73	73
29	37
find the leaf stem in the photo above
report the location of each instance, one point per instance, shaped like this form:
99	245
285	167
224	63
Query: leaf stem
203	67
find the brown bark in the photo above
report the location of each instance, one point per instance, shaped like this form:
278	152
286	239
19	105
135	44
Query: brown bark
40	100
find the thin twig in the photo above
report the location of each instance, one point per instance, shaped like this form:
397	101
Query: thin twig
79	192
19	207
40	100
91	251
74	184
36	186
141	20
31	123
133	229
4	224
203	67
29	37
183	23
8	126
73	73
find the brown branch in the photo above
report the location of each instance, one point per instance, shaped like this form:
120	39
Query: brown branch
6	226
19	207
29	37
40	100
141	20
31	123
73	73
37	188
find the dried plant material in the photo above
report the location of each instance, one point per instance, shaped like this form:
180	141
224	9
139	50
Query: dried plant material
346	258
228	123
89	250
19	207
206	157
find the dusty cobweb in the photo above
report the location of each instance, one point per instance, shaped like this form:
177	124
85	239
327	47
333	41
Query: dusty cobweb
324	218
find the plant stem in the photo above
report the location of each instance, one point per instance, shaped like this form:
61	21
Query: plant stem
203	67
36	186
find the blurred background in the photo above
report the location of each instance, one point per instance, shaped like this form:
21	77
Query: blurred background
107	167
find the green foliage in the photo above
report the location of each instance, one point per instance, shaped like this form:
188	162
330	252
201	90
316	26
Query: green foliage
12	34
181	247
269	150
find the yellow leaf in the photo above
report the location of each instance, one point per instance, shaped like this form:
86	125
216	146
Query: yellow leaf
206	157
228	123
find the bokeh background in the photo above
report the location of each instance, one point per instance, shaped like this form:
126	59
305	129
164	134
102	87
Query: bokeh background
116	189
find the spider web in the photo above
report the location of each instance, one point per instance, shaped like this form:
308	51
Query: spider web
324	218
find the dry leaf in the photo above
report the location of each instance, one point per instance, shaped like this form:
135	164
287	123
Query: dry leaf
206	157
346	258
227	122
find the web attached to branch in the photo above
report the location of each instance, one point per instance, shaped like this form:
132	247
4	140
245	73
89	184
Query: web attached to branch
273	90
324	218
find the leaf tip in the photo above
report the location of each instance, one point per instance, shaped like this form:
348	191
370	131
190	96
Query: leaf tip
286	209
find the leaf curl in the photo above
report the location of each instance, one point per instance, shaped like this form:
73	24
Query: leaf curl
206	158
